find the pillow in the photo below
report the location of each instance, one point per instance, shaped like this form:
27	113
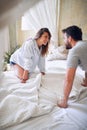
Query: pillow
62	49
60	53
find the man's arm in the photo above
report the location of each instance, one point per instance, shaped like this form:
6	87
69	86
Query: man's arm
70	74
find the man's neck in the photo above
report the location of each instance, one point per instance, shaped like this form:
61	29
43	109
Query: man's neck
73	43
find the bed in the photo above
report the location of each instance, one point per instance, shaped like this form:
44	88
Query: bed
33	105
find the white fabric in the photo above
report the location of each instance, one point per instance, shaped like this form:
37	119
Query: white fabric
58	53
42	15
56	66
39	96
20	102
28	56
10	10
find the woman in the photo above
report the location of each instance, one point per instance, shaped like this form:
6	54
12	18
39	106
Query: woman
31	54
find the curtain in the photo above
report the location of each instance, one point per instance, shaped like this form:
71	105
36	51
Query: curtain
43	14
10	11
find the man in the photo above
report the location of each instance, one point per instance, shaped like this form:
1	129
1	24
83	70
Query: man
77	56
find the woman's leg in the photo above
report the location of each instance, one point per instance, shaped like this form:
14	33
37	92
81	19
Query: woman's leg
19	71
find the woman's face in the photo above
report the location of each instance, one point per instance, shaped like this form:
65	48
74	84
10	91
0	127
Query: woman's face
44	38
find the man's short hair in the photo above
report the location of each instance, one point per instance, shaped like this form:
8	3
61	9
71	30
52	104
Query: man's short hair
74	31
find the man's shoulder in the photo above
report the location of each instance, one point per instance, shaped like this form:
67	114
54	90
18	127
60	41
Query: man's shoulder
81	42
80	47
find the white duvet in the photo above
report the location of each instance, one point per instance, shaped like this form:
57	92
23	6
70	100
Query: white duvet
19	102
39	96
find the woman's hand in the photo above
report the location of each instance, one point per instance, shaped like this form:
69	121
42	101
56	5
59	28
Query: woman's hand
25	76
43	73
23	81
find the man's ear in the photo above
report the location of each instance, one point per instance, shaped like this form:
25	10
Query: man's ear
70	39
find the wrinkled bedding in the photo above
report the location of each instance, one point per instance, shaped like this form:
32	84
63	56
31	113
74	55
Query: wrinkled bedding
33	105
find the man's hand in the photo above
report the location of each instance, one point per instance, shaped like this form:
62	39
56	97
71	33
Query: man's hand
84	83
62	103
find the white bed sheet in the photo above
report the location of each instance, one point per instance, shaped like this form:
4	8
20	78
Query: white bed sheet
40	102
57	66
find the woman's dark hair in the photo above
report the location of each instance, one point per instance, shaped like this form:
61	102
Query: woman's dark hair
39	34
74	31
